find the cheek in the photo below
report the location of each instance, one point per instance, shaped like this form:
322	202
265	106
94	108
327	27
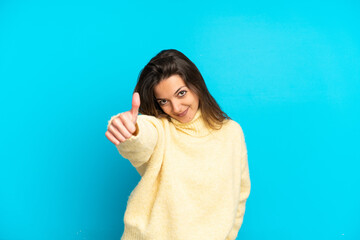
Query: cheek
194	99
166	109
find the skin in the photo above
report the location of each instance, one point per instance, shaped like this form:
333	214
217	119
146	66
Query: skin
123	126
174	98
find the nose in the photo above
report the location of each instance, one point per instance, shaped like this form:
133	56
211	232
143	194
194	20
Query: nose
176	107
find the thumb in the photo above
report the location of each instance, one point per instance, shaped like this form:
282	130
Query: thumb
135	106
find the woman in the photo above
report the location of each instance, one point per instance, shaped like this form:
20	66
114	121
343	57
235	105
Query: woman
191	156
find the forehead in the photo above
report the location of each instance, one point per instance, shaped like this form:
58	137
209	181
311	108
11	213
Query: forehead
168	86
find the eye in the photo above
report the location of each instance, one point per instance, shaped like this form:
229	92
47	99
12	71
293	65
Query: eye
161	102
182	93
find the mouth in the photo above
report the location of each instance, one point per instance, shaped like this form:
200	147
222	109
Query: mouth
183	113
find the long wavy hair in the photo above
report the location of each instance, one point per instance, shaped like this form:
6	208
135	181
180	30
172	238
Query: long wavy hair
171	62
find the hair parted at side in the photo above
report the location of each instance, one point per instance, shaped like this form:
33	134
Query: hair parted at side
171	62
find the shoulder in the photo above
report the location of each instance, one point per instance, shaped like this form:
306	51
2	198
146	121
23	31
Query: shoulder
155	121
150	118
232	125
233	128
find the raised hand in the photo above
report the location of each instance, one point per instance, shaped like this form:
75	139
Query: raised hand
123	126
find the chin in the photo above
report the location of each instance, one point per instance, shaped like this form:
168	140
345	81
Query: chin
189	119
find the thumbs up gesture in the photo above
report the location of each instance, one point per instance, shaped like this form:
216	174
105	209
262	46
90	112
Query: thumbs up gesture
123	126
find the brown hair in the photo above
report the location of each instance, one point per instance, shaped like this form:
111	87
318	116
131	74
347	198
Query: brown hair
171	62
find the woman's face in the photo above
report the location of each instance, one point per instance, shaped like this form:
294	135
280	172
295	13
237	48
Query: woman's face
176	99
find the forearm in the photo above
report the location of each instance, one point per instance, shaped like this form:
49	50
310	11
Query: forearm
139	147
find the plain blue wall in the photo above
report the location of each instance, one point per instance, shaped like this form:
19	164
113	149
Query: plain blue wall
288	73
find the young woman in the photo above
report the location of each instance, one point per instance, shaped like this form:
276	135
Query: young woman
191	156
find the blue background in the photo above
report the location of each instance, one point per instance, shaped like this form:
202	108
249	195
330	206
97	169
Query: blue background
287	72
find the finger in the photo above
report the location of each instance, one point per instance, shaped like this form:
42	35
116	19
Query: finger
116	134
111	138
135	106
118	123
126	119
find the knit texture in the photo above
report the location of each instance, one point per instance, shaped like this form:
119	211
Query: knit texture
194	180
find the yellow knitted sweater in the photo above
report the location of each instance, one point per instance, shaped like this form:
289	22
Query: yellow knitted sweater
194	180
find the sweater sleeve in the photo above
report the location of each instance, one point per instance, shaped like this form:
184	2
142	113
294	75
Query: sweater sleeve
139	148
245	187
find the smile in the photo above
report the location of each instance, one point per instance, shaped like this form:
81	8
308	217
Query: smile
184	113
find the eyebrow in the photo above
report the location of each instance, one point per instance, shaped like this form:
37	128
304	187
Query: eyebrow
174	93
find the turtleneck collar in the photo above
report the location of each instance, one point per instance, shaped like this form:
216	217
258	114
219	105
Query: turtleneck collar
196	127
